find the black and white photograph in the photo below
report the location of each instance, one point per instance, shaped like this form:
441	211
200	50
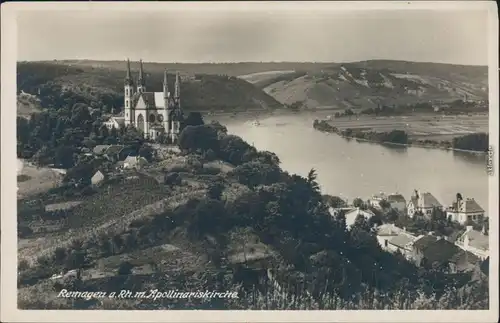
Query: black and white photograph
318	160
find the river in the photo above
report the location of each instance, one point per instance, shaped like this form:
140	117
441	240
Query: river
351	169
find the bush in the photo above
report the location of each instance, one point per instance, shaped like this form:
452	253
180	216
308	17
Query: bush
125	268
172	179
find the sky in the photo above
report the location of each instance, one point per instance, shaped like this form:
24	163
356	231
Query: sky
458	37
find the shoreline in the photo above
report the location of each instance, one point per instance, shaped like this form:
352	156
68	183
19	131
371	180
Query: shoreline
417	145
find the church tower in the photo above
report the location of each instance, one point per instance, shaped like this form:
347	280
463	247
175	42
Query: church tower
128	94
141	83
166	104
177	93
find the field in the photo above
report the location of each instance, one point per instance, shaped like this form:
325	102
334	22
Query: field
110	210
263	76
420	127
34	180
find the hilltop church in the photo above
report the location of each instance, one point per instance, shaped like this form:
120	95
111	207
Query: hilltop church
153	113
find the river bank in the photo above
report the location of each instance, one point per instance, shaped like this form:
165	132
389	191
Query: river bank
397	137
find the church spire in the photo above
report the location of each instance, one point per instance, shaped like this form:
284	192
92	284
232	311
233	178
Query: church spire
165	85
141	84
128	78
177	93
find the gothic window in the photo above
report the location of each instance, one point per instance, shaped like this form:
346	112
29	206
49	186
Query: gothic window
152	118
126	115
140	122
126	92
160	118
126	104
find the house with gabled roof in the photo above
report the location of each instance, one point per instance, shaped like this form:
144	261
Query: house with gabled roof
393	239
422	203
351	213
97	178
465	210
115	122
475	242
397	201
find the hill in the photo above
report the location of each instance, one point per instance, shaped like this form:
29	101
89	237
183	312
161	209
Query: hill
369	83
99	85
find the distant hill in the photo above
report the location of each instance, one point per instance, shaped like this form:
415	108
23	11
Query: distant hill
367	84
103	84
261	86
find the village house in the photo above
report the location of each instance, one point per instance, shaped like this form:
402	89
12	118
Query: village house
376	200
134	162
424	203
475	242
113	153
351	213
435	252
393	239
97	178
463	211
397	201
115	122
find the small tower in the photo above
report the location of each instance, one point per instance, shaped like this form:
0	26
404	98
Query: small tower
166	103
177	93
129	93
141	83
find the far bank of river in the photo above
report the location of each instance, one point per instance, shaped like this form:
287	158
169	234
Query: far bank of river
378	138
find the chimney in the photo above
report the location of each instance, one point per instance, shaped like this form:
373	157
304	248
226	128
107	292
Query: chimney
468	228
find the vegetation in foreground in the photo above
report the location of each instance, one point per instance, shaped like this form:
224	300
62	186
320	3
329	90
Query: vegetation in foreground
256	229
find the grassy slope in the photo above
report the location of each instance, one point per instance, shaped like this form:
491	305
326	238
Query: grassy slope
200	92
365	84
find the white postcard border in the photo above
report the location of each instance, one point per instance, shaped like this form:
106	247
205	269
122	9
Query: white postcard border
9	311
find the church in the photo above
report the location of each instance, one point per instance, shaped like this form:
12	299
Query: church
153	113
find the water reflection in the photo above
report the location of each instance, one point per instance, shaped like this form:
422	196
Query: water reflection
468	157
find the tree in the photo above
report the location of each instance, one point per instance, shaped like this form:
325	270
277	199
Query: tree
202	137
125	268
334	201
357	202
311	179
215	189
253	174
384	204
146	152
361	223
172	179
194	119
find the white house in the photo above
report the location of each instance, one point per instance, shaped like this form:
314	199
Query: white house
97	178
134	162
115	122
476	242
423	202
392	239
462	211
376	199
351	213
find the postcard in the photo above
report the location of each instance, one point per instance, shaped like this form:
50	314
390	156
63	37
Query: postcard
260	161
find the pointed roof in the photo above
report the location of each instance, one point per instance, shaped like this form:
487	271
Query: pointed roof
177	93
165	84
141	74
128	78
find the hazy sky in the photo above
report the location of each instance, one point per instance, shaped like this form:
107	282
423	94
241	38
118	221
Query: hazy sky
459	37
